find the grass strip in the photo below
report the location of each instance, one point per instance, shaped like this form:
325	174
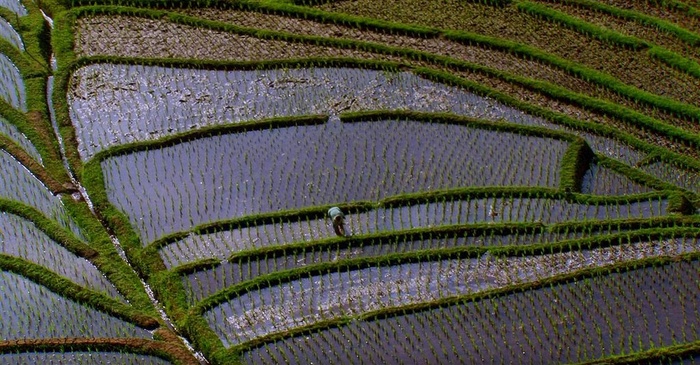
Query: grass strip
49	227
66	288
34	166
581	26
683	34
108	260
674	60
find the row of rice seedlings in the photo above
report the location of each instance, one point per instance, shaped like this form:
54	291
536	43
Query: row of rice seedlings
14	6
295	24
12	84
21	238
10	34
145	102
174	188
600	180
685	178
29	310
81	358
221	244
610	147
636	24
313	298
17	183
683	13
202	284
583	320
152	36
11	131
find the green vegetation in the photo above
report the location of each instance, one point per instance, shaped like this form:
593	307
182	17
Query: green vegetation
519	182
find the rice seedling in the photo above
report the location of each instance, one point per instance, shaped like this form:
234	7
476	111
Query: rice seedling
22	239
484	157
29	310
280	308
11	84
18	184
18	137
10	34
81	358
14	6
501	325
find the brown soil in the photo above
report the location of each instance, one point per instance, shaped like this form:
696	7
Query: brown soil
139	37
631	28
679	17
487	57
635	68
134	36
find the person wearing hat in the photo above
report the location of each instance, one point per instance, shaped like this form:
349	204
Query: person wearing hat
338	218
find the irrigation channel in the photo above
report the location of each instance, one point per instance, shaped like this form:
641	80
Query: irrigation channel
82	194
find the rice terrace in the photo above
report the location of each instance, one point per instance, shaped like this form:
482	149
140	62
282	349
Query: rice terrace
350	181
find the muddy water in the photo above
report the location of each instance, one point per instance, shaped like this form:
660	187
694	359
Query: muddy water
30	310
222	244
352	292
222	177
568	323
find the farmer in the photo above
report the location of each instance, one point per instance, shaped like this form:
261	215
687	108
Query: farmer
337	216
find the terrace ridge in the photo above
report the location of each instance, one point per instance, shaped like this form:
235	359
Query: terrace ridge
636	135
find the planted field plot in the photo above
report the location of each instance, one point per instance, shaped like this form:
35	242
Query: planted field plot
14	6
478	275
623	312
173	188
81	358
18	184
11	84
18	137
349	182
348	292
119	104
603	181
222	244
10	35
30	310
20	238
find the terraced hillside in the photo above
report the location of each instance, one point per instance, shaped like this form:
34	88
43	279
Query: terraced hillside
520	181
